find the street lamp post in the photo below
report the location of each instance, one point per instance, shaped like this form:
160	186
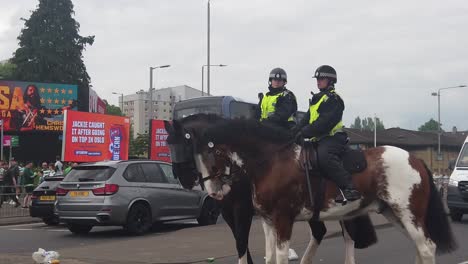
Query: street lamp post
121	100
151	88
208	51
202	75
439	131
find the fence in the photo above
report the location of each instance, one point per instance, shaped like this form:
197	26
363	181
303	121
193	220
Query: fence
8	206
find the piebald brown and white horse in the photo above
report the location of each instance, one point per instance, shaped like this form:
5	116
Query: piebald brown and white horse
396	183
237	207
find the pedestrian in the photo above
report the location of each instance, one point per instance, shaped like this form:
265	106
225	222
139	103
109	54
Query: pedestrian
2	173
71	165
10	180
45	171
28	182
51	170
58	165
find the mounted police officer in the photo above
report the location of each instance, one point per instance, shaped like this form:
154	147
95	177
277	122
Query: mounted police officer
279	105
323	124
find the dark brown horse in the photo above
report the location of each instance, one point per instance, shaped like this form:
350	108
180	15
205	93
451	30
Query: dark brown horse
393	180
237	207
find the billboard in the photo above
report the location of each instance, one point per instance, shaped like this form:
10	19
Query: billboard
90	137
158	145
95	103
33	106
101	106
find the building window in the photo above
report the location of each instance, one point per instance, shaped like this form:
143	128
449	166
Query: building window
164	110
159	97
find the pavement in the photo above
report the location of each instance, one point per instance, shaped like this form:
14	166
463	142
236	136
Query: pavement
176	243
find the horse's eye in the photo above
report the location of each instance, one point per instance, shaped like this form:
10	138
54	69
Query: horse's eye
210	144
187	136
218	152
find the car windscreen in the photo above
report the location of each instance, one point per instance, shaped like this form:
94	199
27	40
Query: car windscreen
89	173
463	159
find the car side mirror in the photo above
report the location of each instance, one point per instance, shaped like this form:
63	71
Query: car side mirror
451	165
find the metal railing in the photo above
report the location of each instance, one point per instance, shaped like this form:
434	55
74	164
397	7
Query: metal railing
8	197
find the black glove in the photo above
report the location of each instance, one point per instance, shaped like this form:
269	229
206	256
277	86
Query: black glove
299	138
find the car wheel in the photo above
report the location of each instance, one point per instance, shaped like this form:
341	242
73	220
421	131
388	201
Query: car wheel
79	229
139	219
209	213
456	215
52	221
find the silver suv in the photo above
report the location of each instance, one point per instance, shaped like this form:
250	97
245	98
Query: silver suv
133	194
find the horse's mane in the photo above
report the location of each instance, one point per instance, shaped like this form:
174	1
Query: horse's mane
238	130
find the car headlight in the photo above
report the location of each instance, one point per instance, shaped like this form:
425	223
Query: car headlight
453	183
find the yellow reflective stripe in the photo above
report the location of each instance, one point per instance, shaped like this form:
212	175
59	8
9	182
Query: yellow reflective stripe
314	115
268	106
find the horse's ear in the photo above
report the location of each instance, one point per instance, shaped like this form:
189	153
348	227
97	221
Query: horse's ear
168	127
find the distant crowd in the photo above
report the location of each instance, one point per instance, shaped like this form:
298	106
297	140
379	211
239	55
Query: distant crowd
17	178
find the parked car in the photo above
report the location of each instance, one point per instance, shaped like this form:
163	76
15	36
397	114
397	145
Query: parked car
43	200
457	194
134	194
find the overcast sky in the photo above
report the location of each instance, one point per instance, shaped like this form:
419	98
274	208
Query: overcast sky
390	55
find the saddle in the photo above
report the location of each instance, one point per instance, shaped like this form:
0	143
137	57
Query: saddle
353	160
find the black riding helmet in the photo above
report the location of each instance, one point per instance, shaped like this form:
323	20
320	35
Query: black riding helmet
326	71
278	73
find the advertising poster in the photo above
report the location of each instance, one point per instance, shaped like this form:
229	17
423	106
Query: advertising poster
96	105
32	106
90	137
158	145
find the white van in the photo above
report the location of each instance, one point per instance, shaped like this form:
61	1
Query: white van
457	196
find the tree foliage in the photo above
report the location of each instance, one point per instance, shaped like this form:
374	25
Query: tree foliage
367	123
50	47
7	70
430	125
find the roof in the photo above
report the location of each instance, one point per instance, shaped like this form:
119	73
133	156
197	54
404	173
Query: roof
404	137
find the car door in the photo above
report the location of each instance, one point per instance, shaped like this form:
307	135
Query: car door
135	188
186	202
159	191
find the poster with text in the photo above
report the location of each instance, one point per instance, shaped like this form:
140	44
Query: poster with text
33	106
158	148
92	137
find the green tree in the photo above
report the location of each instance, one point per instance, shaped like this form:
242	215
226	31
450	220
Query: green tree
112	109
139	145
367	123
50	48
430	125
7	70
357	123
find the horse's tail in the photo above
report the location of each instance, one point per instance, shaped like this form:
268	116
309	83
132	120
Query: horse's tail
437	222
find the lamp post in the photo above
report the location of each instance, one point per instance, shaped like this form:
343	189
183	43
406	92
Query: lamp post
439	156
151	88
202	75
208	50
121	100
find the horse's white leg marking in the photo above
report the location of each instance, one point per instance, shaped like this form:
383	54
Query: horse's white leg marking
401	180
243	259
282	252
270	243
310	250
349	246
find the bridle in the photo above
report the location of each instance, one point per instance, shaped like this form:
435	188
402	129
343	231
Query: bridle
225	178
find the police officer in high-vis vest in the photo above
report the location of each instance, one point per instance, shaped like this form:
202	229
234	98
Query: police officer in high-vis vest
323	124
278	107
